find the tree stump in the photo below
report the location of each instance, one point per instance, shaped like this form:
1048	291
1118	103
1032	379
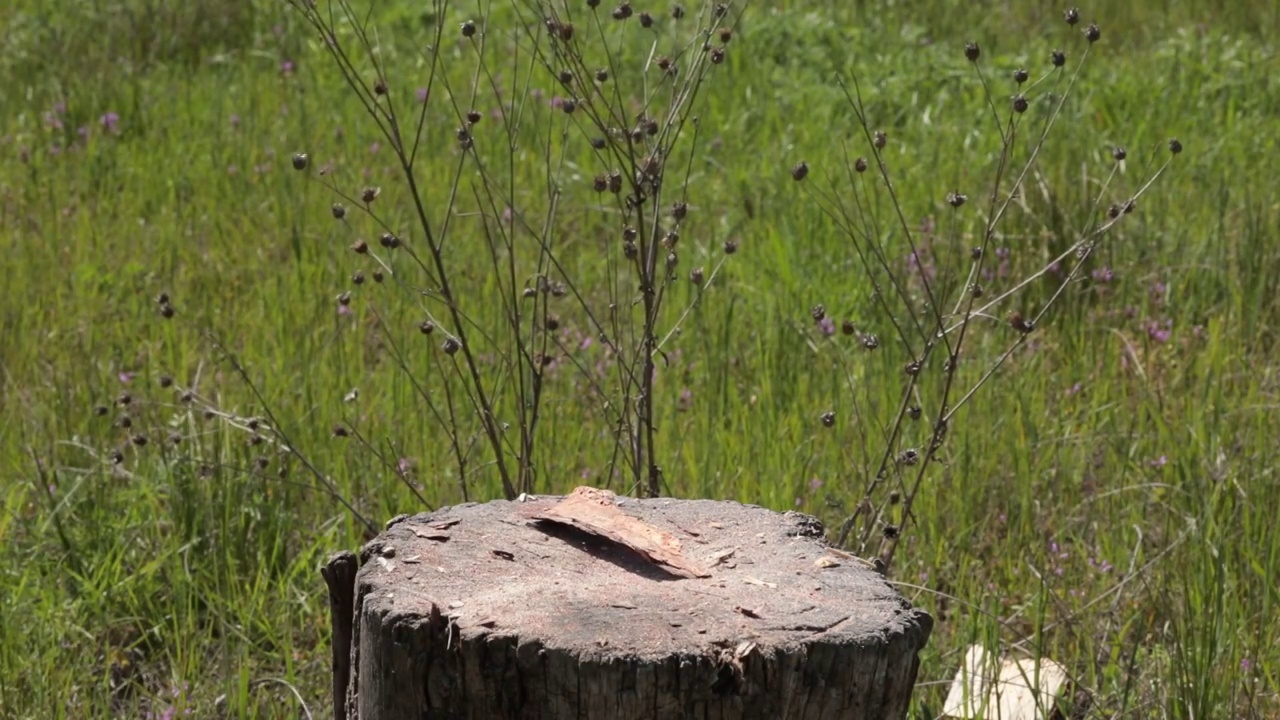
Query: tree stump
598	606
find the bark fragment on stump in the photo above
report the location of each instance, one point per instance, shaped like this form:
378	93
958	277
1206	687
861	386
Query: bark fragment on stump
632	608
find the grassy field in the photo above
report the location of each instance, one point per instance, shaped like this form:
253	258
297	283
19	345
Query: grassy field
1106	500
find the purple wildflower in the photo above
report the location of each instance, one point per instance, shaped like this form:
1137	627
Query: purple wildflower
1158	292
422	94
922	264
1158	332
1002	268
685	401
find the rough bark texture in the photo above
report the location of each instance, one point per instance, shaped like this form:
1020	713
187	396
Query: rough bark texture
340	577
497	611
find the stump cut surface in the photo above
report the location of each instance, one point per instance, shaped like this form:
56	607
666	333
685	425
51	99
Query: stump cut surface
603	606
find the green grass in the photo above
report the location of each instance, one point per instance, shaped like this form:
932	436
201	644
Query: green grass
1124	528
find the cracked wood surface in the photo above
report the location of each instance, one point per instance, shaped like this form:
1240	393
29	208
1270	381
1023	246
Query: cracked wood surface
628	608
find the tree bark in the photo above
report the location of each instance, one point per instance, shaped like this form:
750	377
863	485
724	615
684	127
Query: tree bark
594	606
340	577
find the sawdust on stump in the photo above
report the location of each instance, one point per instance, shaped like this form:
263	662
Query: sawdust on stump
597	606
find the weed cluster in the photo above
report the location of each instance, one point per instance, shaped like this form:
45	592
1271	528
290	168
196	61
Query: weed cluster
936	293
605	101
625	89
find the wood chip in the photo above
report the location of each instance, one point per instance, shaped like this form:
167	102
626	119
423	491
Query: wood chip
596	512
826	561
758	581
721	556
